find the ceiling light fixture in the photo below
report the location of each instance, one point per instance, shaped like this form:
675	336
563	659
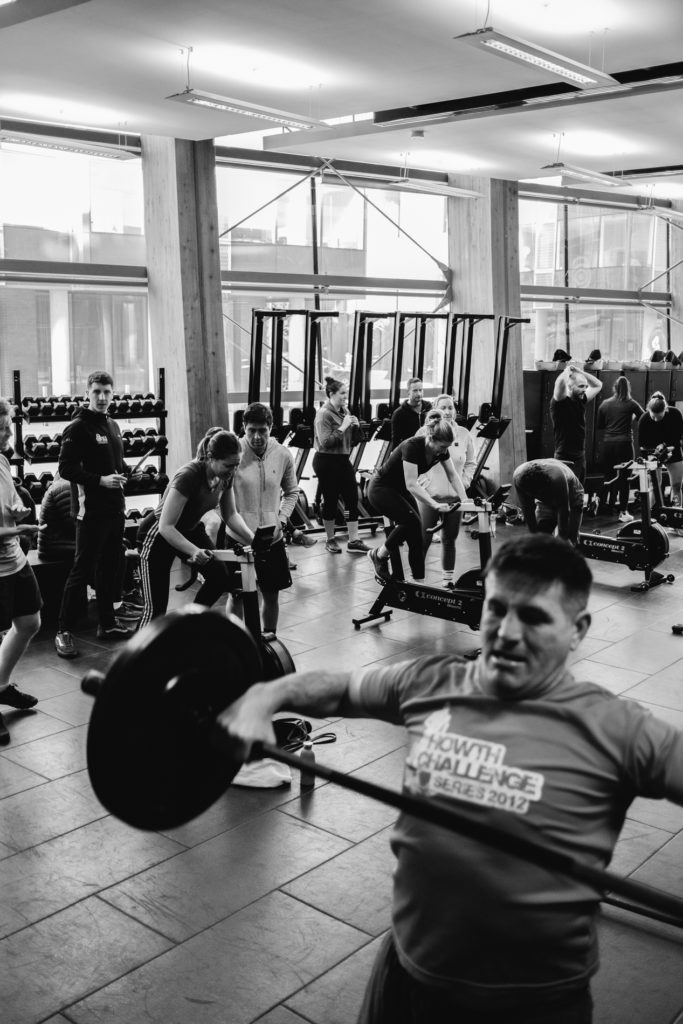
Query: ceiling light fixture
212	101
435	188
523	52
575	173
66	145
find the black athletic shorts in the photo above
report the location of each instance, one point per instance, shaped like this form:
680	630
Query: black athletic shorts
19	595
272	568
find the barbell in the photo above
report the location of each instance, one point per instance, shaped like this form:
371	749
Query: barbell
157	758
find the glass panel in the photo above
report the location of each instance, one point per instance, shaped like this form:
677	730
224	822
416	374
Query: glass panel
540	243
70	208
355	238
56	336
621	333
545	332
337	344
272	235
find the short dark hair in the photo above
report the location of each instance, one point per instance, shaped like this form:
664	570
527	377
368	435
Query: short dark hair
100	377
257	412
544	560
413	380
536	478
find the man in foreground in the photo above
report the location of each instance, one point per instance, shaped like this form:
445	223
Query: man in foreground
478	935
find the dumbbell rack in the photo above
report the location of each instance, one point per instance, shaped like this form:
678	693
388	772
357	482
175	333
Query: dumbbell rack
119	409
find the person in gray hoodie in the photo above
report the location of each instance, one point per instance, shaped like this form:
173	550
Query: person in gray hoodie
266	490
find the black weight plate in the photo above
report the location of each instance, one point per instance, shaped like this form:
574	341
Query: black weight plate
277	661
152	756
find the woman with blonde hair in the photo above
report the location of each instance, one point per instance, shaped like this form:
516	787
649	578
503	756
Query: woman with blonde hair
395	491
438	486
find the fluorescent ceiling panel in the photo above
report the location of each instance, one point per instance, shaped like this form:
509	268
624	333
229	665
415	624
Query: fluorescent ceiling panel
212	101
66	145
522	52
584	174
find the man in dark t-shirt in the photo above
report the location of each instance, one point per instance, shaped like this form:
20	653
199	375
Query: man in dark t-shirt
574	388
550	494
410	415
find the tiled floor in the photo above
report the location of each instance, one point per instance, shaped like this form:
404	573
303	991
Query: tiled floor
269	906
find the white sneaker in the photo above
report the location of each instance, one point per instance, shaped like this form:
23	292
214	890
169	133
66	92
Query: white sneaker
625	517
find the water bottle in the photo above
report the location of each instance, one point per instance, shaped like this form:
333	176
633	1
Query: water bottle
307	758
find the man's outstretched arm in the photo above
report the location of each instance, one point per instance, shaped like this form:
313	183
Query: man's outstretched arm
249	719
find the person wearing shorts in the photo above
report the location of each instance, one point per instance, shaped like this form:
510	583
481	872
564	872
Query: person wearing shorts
266	491
20	600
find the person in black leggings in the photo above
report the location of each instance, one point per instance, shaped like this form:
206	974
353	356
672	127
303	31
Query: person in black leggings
615	419
199	486
333	430
395	492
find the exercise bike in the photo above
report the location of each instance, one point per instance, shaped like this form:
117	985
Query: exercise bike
642	544
665	515
460	602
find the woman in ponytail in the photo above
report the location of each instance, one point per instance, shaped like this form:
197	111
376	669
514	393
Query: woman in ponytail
199	486
661	424
396	492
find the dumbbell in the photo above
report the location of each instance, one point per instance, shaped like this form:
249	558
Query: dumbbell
158	407
32	409
134	514
53	449
45	480
59	410
135	407
47	410
136	446
30	480
148	407
147	512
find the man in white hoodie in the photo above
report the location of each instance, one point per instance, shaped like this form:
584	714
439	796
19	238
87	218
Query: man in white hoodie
266	490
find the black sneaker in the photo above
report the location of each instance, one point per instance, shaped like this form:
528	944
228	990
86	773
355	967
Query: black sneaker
115	632
65	646
127	612
134	599
380	565
14	698
359	546
4	733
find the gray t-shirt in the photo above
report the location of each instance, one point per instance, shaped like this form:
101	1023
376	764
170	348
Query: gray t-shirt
12	558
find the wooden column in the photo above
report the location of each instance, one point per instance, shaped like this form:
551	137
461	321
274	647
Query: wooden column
484	250
185	308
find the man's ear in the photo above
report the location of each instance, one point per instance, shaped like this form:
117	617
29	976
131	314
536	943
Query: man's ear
581	626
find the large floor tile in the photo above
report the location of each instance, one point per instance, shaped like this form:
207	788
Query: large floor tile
640	979
336	997
26	726
355	887
39	882
14	778
233	972
73	707
207	883
617	621
616	680
643	651
659	813
637	843
46	811
664	688
49	965
53	756
664	869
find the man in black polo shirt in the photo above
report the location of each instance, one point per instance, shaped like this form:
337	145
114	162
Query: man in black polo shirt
574	388
410	415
